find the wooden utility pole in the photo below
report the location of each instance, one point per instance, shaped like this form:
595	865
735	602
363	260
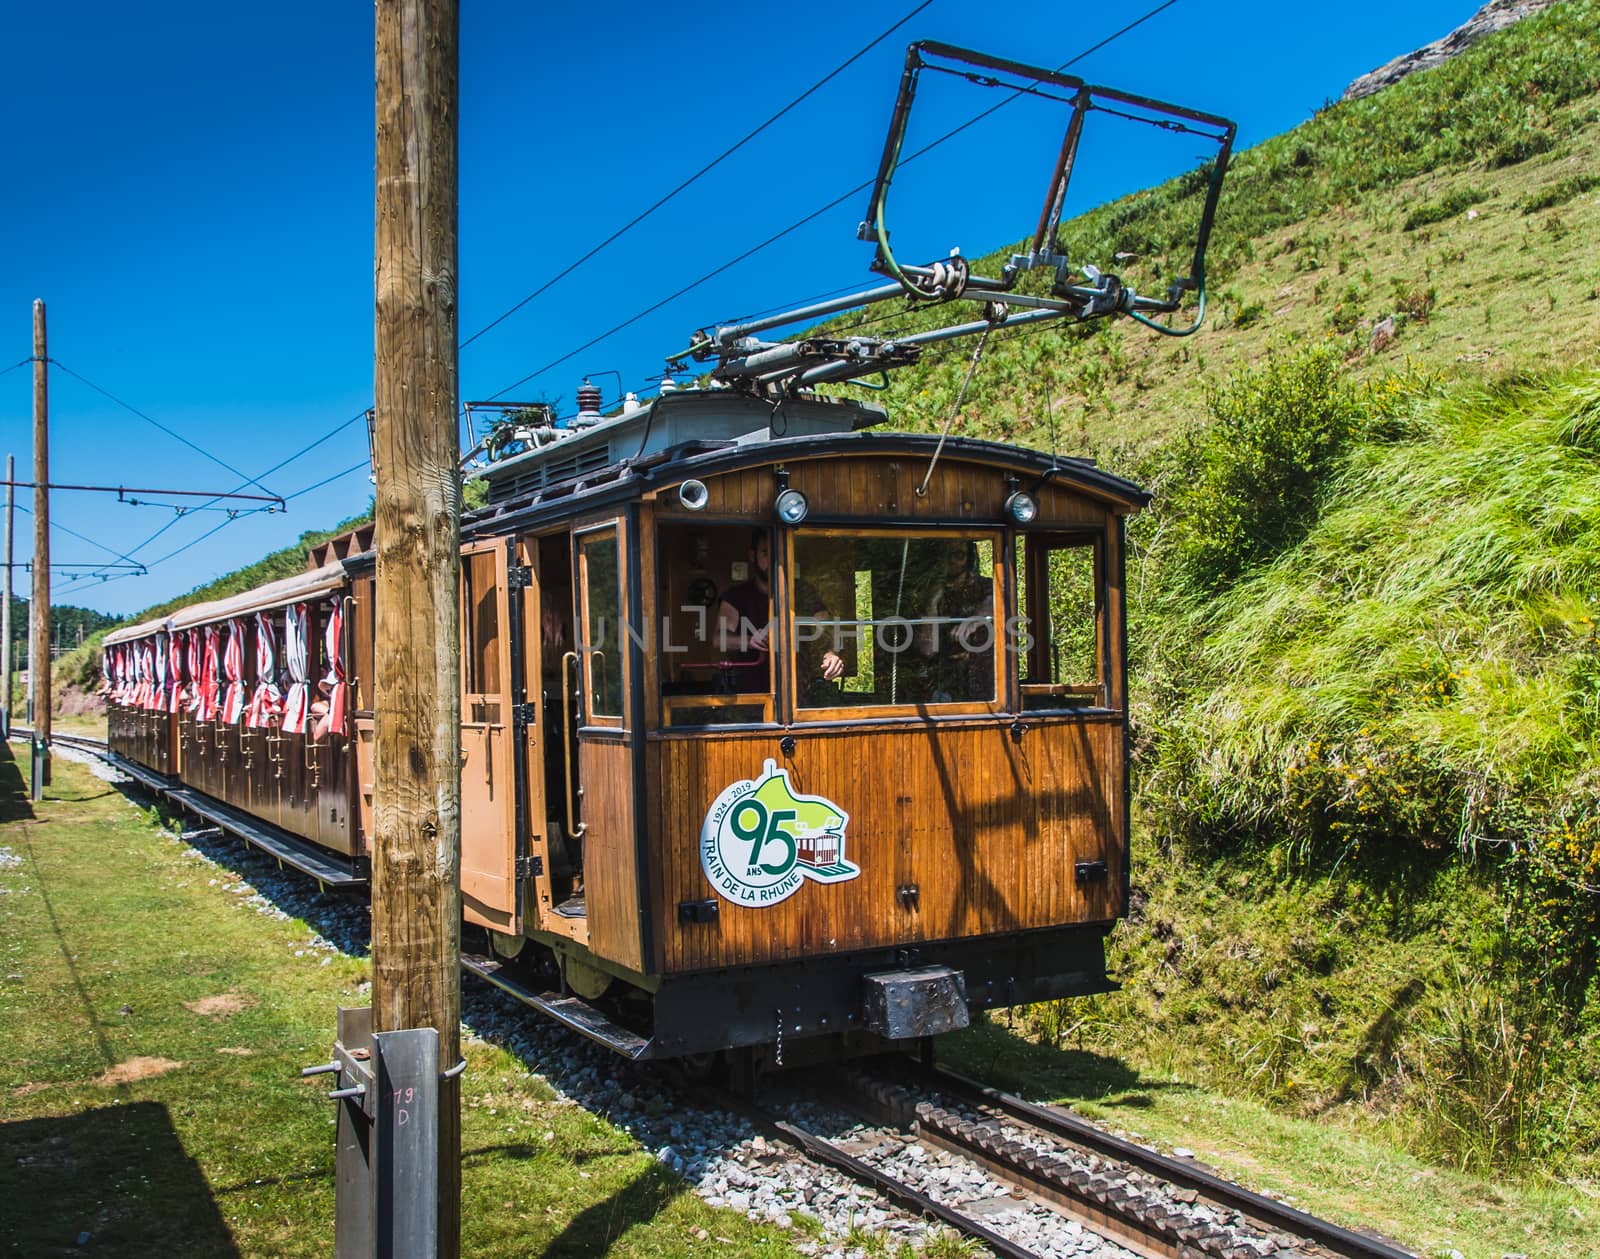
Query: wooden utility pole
39	610
5	609
416	850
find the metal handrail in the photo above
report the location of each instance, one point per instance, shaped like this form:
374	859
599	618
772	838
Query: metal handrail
575	828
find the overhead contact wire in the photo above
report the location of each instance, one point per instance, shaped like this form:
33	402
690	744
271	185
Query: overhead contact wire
703	171
821	210
172	433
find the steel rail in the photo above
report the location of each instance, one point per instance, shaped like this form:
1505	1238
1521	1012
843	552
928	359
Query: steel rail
829	1154
1058	1123
98	746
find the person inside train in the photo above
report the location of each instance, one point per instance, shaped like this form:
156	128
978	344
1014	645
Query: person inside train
957	629
744	625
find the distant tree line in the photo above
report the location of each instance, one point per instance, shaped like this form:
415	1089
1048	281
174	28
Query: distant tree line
69	626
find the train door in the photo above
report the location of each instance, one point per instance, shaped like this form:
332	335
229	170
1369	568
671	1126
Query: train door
542	612
488	783
602	771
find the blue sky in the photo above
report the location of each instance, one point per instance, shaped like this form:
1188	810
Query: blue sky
190	191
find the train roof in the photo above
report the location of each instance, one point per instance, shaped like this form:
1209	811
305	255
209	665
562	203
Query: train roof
696	433
298	588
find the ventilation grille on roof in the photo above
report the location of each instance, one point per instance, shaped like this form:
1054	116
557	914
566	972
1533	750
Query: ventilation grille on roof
548	472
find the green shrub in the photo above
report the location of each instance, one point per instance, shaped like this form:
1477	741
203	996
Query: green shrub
1245	486
1445	207
1525	143
1250	314
1415	303
1560	192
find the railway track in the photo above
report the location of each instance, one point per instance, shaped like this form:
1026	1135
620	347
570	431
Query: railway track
96	746
975	1139
1143	1202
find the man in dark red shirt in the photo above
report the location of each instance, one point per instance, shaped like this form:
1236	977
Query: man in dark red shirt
744	622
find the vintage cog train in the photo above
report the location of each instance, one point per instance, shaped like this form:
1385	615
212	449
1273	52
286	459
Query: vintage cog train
781	733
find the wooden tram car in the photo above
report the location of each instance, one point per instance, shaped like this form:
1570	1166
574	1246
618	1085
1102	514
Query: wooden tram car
777	730
897	796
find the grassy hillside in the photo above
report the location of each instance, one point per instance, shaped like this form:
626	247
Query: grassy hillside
1464	201
1368	733
1364	644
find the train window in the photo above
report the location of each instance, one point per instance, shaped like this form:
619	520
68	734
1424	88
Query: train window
894	620
1058	602
603	633
714	602
481	624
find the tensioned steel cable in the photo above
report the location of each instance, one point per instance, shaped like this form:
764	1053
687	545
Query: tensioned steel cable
704	170
172	433
56	524
282	463
821	210
193	542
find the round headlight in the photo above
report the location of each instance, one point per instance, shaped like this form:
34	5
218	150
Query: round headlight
791	506
694	495
1022	507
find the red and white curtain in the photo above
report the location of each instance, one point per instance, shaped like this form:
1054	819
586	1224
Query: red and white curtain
192	664
296	658
208	708
175	671
266	705
333	684
233	669
145	663
158	673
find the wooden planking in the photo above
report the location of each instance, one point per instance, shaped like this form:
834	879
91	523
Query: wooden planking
610	867
488	781
988	829
882	488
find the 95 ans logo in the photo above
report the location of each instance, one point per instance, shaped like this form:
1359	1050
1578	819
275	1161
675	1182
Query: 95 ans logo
761	840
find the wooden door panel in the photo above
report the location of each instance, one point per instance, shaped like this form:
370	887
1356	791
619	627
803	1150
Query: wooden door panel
487	855
488	845
610	869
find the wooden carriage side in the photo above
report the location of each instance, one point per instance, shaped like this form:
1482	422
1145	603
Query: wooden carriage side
296	783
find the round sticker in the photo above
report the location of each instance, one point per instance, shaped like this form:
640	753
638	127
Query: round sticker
761	840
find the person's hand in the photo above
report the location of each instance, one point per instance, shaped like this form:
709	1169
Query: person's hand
832	667
758	640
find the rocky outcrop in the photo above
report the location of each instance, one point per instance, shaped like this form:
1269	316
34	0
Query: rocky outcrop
1494	16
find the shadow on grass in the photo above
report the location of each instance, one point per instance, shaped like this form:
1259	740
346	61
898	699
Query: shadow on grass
1007	1060
14	804
595	1229
117	1176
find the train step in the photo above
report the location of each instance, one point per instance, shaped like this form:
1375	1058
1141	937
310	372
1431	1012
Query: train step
580	1016
321	865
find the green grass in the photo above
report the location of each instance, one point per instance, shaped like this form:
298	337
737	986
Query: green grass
107	927
1323	1164
1426	655
1396	703
1454	202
